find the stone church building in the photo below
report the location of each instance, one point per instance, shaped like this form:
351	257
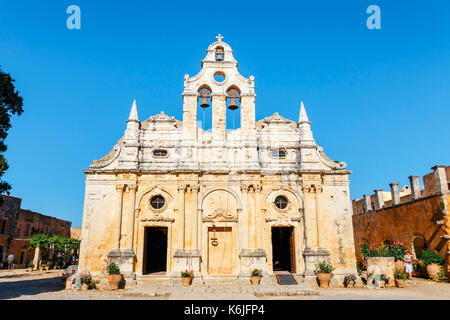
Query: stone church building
172	195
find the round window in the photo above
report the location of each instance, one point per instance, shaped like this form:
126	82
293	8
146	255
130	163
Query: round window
281	202
157	202
219	76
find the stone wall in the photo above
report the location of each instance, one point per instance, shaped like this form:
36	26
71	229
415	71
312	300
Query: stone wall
418	223
19	225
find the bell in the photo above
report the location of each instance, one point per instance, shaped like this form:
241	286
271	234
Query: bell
205	103
233	105
219	53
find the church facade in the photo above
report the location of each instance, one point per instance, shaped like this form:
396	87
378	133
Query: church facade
172	195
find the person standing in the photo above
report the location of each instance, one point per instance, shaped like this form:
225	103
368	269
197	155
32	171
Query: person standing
408	259
10	261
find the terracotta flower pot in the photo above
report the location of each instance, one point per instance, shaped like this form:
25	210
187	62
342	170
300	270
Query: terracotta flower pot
324	279
433	271
84	287
114	281
255	279
399	265
399	283
30	269
69	284
186	281
382	283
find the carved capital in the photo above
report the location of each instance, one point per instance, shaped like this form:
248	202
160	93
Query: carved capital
182	187
193	187
131	187
258	187
244	187
312	188
120	187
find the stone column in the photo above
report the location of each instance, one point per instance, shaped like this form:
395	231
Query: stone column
379	198
131	215
182	190
247	112
189	116
440	177
309	212
367	203
119	199
219	121
257	222
317	191
194	189
415	187
395	193
243	218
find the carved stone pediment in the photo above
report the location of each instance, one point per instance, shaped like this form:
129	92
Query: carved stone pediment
161	121
109	158
221	213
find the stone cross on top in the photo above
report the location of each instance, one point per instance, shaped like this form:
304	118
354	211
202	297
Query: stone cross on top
219	37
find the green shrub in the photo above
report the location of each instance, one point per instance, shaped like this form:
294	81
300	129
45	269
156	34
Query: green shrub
112	267
256	272
324	267
399	275
430	256
396	249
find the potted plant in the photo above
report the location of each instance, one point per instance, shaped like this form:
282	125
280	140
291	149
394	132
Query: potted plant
41	267
186	277
432	260
69	280
382	280
324	273
86	281
30	267
114	275
255	277
350	280
400	278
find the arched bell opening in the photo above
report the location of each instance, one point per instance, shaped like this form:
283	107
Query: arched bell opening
204	113
220	54
233	106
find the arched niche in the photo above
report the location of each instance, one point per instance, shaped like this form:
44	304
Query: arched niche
233	103
204	113
220	202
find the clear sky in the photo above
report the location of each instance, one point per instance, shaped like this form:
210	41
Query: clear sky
377	99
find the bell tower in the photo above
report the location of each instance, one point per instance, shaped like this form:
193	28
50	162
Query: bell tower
225	87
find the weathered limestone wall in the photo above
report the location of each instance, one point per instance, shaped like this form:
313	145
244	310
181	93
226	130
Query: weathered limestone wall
421	219
243	203
402	223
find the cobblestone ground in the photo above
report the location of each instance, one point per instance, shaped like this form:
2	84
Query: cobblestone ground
46	285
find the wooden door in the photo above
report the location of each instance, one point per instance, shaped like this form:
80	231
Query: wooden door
292	249
220	251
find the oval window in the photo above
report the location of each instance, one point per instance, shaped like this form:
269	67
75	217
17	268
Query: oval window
219	76
157	202
160	153
281	202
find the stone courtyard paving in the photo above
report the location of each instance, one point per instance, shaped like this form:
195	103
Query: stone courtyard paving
46	285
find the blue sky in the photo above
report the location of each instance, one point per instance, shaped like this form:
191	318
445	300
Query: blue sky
377	99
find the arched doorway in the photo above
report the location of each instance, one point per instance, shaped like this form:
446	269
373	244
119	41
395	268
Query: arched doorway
419	245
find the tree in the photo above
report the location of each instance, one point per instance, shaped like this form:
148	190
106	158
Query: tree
11	103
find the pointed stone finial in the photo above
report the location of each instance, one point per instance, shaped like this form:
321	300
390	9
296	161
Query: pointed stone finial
303	117
133	113
219	37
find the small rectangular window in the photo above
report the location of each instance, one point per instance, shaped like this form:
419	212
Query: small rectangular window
279	153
